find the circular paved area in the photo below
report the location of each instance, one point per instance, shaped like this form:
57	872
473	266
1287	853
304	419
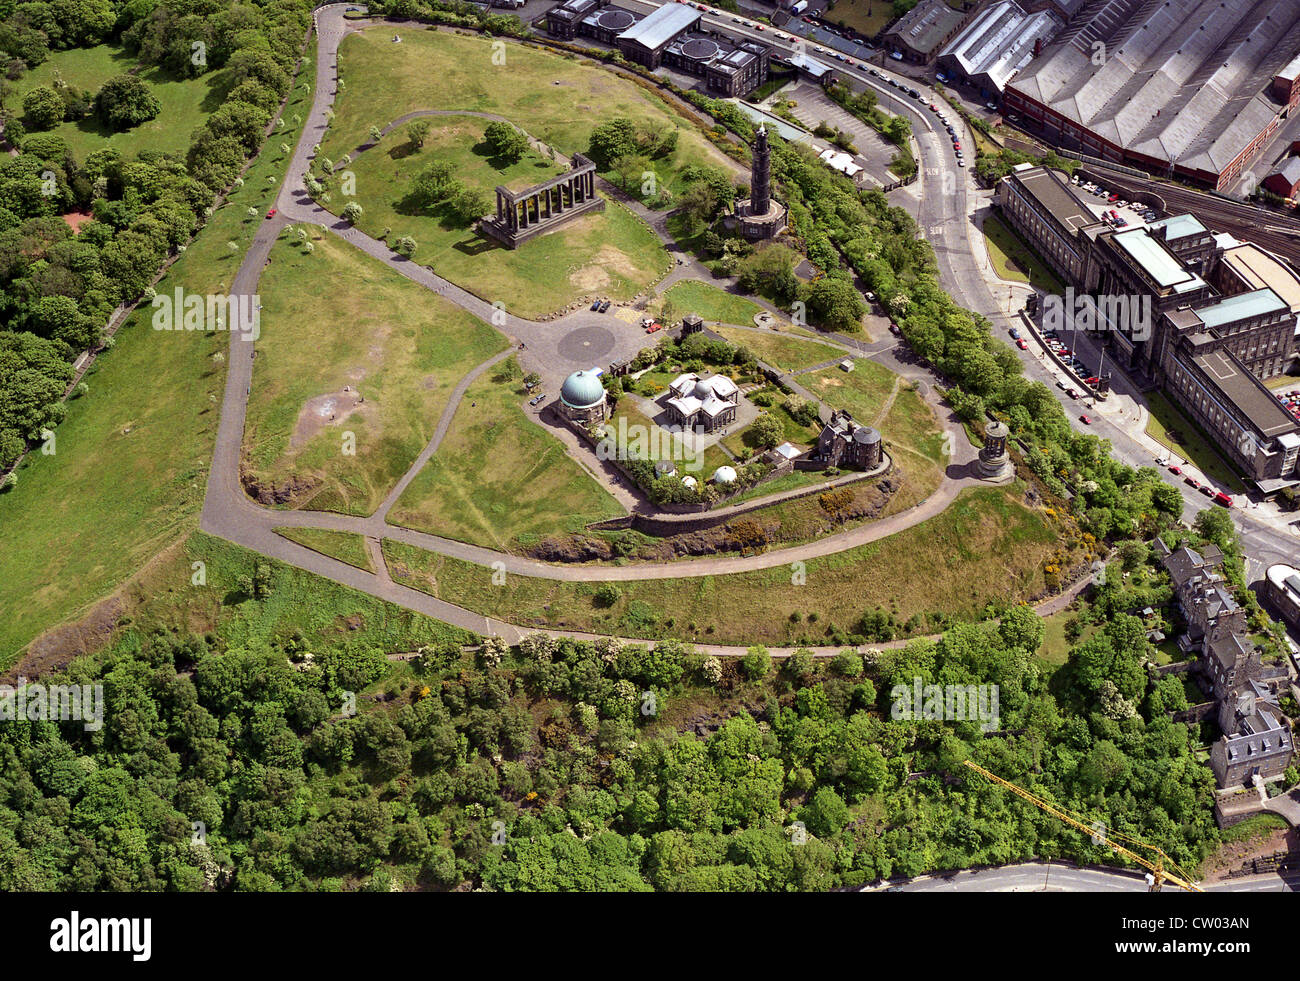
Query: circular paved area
586	345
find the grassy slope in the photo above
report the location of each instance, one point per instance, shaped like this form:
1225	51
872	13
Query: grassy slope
986	547
711	303
185	102
498	478
1166	419
401	347
612	253
557	99
83	520
781	350
342	545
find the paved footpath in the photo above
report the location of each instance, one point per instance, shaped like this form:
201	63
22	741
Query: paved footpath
229	513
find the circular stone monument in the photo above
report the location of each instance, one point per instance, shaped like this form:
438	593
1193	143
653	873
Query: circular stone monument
994	464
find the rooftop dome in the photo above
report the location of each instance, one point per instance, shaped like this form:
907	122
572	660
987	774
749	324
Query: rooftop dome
703	390
582	390
689	481
865	434
724	475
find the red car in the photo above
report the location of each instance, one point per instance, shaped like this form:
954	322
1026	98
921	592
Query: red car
1175	469
653	327
1020	343
271	213
1191	481
1085	420
1222	498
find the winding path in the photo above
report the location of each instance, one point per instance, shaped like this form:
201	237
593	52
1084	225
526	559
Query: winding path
229	513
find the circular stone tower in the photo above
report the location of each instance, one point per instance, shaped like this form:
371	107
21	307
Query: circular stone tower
994	463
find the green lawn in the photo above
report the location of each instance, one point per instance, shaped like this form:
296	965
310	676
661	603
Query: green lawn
558	99
133	455
986	547
612	253
783	350
1014	260
1285	380
374	332
342	545
185	102
711	303
498	479
1167	425
862	391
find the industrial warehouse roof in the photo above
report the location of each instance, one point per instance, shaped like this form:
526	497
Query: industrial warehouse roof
1184	82
924	27
999	43
662	26
1231	309
1290	170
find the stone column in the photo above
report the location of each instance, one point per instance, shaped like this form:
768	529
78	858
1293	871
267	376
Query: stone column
498	205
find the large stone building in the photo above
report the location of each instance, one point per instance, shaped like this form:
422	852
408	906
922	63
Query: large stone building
523	214
702	404
671	36
1204	316
582	400
922	31
846	443
1256	738
1191	88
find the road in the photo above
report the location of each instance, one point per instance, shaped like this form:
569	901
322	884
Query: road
1059	877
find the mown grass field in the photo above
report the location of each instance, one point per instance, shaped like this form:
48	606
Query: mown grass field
986	547
400	347
342	545
498	479
185	102
558	99
297	602
132	457
1014	260
710	303
781	350
611	253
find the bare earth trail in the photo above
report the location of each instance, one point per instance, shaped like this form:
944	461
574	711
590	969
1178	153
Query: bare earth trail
229	513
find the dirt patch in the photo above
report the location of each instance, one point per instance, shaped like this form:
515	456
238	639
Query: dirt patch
51	652
596	274
290	491
830	382
1236	856
324	410
76	219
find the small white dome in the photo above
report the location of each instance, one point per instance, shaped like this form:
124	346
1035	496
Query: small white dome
724	475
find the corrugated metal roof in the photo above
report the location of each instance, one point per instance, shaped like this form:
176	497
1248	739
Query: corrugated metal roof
662	26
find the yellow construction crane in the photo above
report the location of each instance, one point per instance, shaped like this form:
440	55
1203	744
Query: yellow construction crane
1157	868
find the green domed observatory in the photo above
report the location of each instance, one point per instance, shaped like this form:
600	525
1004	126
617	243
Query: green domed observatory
582	397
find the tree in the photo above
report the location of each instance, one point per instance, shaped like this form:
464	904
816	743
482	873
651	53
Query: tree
611	140
764	432
405	246
468	206
757	663
835	303
376	134
352	212
434	183
126	101
1215	525
505	141
417	132
42	108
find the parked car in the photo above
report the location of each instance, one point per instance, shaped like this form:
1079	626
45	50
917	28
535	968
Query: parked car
535	399
1112	198
1072	393
604	306
893	329
1015	333
991	105
1206	489
271	213
896	56
961	162
1191	481
1020	343
1223	499
595	304
1175	469
654	327
1094	380
1060	384
940	77
1085	420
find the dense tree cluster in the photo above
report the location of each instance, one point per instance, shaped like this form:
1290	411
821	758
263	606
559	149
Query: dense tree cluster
59	287
570	765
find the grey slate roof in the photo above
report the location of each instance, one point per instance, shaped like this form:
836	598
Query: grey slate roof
662	26
1180	81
